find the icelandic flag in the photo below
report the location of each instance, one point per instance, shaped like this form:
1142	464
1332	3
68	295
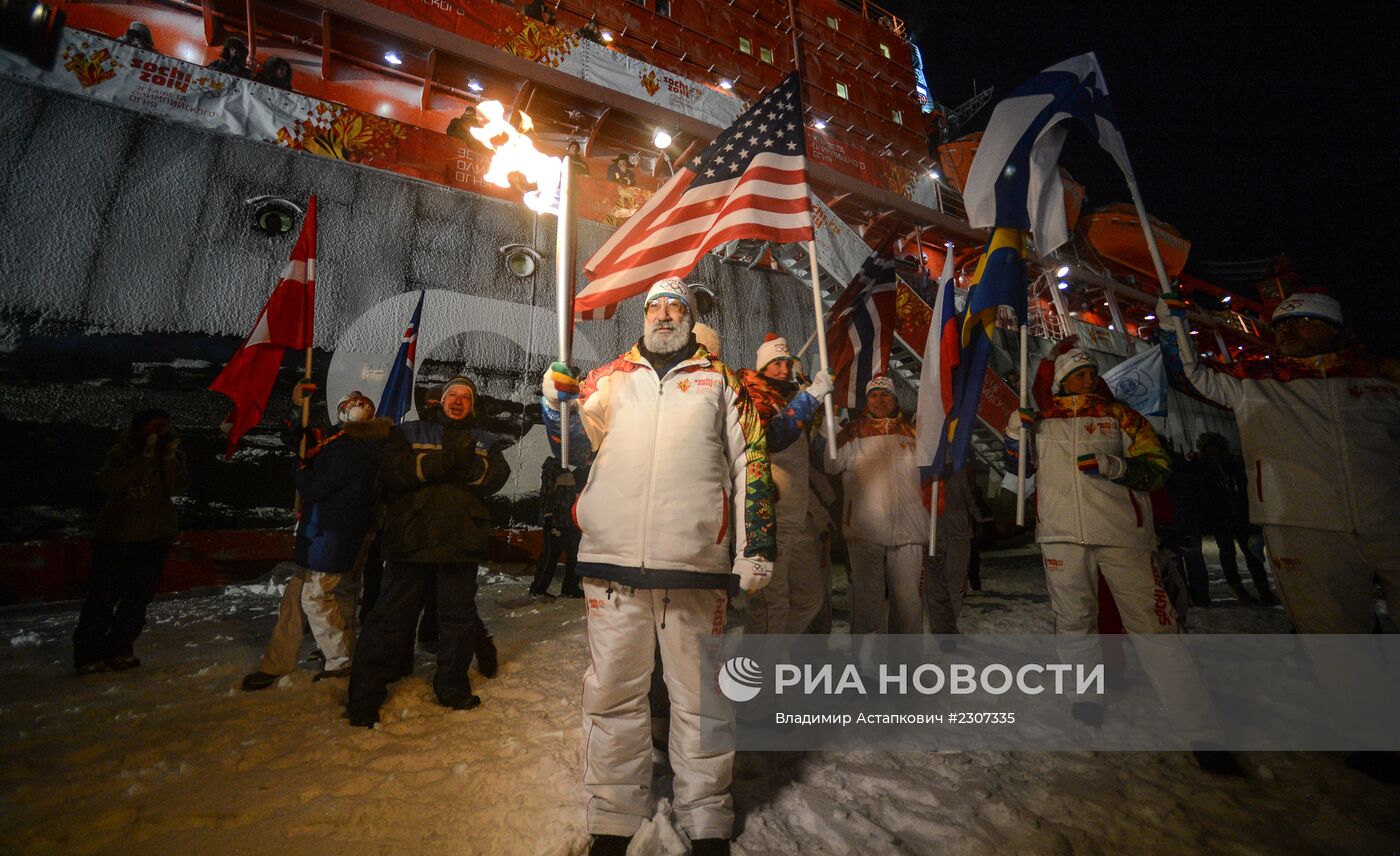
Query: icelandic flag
397	398
1140	382
1000	280
1015	176
941	354
862	330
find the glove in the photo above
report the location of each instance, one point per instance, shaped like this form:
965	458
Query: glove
1022	417
558	384
753	573
1170	305
301	392
822	385
467	461
1103	466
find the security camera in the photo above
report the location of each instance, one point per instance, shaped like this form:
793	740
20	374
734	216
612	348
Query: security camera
521	261
273	215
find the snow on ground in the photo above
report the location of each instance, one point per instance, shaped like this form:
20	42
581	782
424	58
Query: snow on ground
173	758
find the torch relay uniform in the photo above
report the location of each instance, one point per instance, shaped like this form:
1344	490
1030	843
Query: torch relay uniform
681	460
885	523
792	598
1321	441
1096	461
435	474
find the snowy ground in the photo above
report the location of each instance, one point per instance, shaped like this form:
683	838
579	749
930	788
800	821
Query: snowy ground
174	759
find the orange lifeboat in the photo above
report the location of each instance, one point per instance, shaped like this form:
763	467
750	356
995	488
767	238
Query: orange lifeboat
1115	233
956	159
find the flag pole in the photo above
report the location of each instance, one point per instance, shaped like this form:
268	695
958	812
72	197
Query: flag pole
564	287
818	311
933	517
1021	439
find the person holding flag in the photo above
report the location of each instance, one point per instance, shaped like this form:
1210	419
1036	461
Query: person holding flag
885	527
680	451
790	601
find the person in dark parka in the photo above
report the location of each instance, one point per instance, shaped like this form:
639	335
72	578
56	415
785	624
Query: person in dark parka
436	473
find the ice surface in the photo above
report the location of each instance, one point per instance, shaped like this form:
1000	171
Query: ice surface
172	758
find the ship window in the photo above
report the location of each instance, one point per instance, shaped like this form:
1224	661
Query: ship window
832	22
745	45
885	50
765	54
842	91
663	8
897	116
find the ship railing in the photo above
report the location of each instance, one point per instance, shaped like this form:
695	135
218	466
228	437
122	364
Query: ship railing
879	15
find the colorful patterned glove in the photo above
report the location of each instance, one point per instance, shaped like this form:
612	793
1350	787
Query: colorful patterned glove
1102	466
1173	303
558	384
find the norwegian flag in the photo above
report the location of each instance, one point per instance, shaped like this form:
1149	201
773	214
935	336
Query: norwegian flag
286	321
862	330
397	398
751	182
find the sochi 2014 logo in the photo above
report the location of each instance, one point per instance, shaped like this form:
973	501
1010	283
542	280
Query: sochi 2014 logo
740	679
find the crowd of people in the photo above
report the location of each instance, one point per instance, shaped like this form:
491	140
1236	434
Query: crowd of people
688	481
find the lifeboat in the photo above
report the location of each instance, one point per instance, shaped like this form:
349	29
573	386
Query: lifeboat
1115	233
956	159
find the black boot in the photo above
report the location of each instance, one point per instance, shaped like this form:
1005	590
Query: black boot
609	845
1381	766
486	655
1215	760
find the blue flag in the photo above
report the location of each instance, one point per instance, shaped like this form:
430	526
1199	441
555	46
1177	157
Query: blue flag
397	398
1000	280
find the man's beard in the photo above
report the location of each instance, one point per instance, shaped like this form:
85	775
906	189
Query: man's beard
667	342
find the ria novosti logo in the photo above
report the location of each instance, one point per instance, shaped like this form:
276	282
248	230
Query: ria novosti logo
741	679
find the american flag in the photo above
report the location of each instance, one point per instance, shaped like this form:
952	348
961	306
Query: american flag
751	182
862	330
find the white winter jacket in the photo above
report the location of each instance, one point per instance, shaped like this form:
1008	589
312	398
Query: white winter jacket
678	458
880	477
1075	507
1321	439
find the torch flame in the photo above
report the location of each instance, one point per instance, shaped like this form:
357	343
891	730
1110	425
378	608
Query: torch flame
516	162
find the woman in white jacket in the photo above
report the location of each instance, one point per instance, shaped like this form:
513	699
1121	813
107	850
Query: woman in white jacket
884	520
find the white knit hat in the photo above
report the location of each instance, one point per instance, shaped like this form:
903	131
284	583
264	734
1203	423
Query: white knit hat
707	336
1309	305
880	382
1071	361
669	287
774	347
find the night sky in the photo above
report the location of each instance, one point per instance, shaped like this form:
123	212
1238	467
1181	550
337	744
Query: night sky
1254	129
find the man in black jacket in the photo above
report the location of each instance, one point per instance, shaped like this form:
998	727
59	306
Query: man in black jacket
435	473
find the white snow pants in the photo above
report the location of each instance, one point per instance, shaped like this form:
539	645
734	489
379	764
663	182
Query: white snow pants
1071	576
877	570
624	628
792	597
809	582
329	603
1326	578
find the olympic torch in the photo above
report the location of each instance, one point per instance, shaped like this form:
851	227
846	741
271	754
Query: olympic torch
547	188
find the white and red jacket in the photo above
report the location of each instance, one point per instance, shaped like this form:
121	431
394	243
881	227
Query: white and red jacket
880	477
678	459
1077	508
1321	438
